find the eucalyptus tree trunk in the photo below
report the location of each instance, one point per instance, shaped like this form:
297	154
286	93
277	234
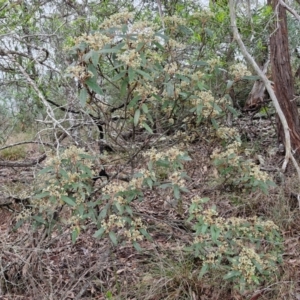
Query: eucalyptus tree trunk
282	76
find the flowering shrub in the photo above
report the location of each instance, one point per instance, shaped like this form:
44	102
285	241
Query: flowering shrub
234	169
118	220
168	167
245	250
153	79
66	181
65	195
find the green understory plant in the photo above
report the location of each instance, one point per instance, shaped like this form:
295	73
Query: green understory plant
65	185
234	168
117	218
245	251
66	195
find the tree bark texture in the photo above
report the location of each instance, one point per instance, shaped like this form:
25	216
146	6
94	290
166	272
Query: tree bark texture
282	76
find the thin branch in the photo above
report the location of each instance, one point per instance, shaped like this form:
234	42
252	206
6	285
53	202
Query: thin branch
49	109
161	13
292	11
25	142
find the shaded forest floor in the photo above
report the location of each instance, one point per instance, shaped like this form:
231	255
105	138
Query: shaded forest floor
35	266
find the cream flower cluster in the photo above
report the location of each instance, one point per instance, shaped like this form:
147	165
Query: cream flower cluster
171	68
207	100
213	63
79	72
117	19
96	41
239	70
145	89
130	57
177	179
118	223
133	234
245	263
227	133
113	222
171	154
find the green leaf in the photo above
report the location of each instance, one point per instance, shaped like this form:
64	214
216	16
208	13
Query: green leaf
80	210
40	219
176	191
160	34
131	74
232	110
103	213
201	63
214	124
94	86
109	50
95	57
146	126
203	271
99	233
215	232
109	295
258	266
199	109
185	157
137	246
41	195
255	279
83	94
134	101
165	185
136	117
145	108
123	87
68	200
159	46
113	238
183	78
149	182
170	89
204	228
229	84
19	224
144	74
232	274
119	76
119	207
75	234
201	86
45	170
184	189
129	210
144	232
92	69
140	46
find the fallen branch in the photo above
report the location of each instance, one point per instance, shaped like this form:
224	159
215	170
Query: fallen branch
24	143
21	164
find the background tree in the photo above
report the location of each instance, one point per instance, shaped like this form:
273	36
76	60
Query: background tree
282	74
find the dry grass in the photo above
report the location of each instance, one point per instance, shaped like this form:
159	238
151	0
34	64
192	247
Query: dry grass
18	152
